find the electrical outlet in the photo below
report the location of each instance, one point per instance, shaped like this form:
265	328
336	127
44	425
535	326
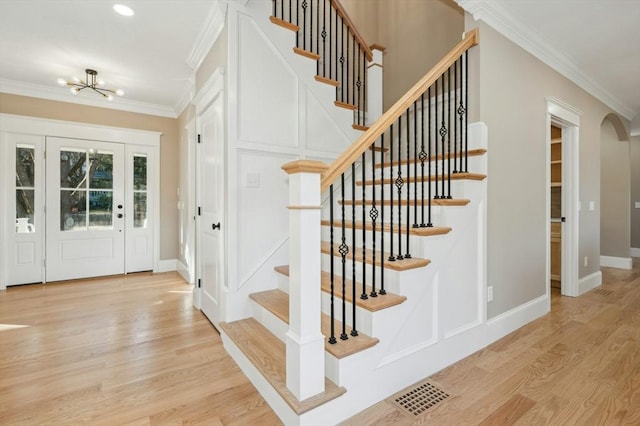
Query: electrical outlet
252	180
586	261
489	293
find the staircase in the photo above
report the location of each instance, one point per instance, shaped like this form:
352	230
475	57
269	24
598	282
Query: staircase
386	278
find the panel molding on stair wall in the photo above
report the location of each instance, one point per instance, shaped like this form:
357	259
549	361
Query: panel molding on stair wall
272	115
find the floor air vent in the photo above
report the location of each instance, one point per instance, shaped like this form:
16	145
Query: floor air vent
603	292
416	400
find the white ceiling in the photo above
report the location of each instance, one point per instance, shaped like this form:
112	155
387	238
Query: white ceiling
145	55
594	42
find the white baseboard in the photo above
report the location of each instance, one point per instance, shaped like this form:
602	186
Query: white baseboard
505	323
589	282
635	252
183	270
616	262
167	265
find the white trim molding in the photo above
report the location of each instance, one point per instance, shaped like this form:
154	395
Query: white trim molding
54	94
517	31
616	262
589	282
208	35
166	266
635	252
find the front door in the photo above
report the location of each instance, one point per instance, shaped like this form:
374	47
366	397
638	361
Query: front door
84	209
211	226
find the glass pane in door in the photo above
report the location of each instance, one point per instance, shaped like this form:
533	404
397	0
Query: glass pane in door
100	209
140	210
73	210
139	172
101	170
73	168
25	189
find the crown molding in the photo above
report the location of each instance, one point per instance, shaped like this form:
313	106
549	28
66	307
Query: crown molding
208	34
55	94
515	30
187	96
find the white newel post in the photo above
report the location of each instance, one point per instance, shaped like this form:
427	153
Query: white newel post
375	85
305	342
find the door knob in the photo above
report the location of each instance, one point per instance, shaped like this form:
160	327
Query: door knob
120	215
215	226
563	219
119	206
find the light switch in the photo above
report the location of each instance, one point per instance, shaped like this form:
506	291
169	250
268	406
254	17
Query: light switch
592	205
252	180
637	204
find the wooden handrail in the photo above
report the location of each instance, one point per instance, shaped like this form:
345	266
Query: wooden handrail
342	163
356	34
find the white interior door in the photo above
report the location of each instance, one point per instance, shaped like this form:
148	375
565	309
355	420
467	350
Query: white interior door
85	209
211	224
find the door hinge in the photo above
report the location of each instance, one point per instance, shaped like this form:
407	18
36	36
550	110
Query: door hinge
199	212
198	138
199	282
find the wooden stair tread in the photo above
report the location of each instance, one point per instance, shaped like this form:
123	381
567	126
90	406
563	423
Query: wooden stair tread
421	232
412	179
345	105
470	153
325	80
360	127
371	304
277	302
397	265
306	53
404	202
284	24
378	148
268	354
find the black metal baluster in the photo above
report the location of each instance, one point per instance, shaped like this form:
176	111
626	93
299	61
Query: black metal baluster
353	245
435	144
275	8
415	163
331	39
443	134
408	179
360	105
422	157
323	34
344	250
364	91
455	123
399	185
449	110
466	117
350	91
332	338
304	24
373	214
382	290
297	22
342	61
391	256
429	158
460	111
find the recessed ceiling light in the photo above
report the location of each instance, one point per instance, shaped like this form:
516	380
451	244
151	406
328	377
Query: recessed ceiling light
123	10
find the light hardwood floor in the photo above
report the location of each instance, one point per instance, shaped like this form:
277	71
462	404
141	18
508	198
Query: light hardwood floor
134	351
578	365
118	350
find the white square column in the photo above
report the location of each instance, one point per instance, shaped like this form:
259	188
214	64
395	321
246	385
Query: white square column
305	342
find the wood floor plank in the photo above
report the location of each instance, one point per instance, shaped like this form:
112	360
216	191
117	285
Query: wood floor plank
577	365
118	350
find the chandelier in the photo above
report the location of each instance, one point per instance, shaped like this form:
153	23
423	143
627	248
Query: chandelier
91	82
